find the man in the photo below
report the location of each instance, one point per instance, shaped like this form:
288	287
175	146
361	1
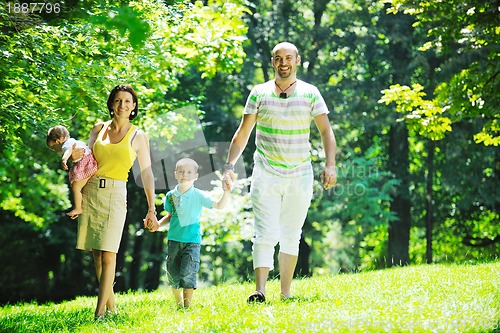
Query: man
282	181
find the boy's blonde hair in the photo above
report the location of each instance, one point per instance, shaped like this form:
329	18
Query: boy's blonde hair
187	161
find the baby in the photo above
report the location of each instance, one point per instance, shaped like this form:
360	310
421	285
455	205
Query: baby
58	140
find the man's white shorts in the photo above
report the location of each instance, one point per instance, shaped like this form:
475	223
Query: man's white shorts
280	207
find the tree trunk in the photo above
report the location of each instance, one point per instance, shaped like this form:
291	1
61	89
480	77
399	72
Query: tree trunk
303	269
157	261
429	206
137	261
399	230
400	31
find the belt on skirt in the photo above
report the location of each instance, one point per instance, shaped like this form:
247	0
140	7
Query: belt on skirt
105	182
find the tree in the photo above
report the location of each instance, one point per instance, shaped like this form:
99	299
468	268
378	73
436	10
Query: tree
471	91
463	79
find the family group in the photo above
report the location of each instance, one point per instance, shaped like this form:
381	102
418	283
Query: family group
281	110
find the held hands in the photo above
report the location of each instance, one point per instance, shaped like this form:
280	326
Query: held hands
226	186
227	180
329	177
151	222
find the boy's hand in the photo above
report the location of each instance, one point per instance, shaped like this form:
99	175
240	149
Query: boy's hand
64	165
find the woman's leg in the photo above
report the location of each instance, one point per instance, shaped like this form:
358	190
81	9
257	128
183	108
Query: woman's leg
105	265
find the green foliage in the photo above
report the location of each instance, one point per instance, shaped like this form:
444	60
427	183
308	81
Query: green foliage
226	233
23	187
212	32
437	298
356	208
421	115
473	232
473	93
61	74
466	191
128	22
468	31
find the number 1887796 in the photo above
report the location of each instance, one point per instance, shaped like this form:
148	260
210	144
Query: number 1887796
33	8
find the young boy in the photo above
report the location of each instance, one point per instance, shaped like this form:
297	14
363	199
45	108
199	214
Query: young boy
184	206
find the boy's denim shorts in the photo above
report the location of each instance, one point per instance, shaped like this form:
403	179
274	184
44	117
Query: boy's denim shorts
183	263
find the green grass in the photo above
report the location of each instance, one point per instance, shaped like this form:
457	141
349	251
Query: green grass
426	298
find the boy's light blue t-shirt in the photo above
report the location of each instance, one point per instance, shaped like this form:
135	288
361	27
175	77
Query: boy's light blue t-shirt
186	213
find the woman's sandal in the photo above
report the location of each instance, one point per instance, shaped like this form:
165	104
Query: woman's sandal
256	297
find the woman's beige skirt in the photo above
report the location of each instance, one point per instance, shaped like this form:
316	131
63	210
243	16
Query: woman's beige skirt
100	226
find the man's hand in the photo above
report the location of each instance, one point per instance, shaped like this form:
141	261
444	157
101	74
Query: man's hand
329	177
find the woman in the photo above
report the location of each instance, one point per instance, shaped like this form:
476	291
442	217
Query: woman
115	144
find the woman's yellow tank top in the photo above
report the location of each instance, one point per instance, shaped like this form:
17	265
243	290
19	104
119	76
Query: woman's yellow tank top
114	160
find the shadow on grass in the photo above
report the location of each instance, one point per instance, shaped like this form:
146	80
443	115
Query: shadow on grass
46	322
290	300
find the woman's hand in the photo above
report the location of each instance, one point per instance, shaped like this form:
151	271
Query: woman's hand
77	153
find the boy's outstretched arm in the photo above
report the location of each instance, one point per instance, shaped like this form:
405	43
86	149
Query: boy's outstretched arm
221	203
164	221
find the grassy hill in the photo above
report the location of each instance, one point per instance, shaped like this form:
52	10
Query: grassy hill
426	298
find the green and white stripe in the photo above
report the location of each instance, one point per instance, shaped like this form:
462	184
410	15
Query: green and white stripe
283	126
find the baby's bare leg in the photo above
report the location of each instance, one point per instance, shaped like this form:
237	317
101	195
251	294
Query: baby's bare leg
77	186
